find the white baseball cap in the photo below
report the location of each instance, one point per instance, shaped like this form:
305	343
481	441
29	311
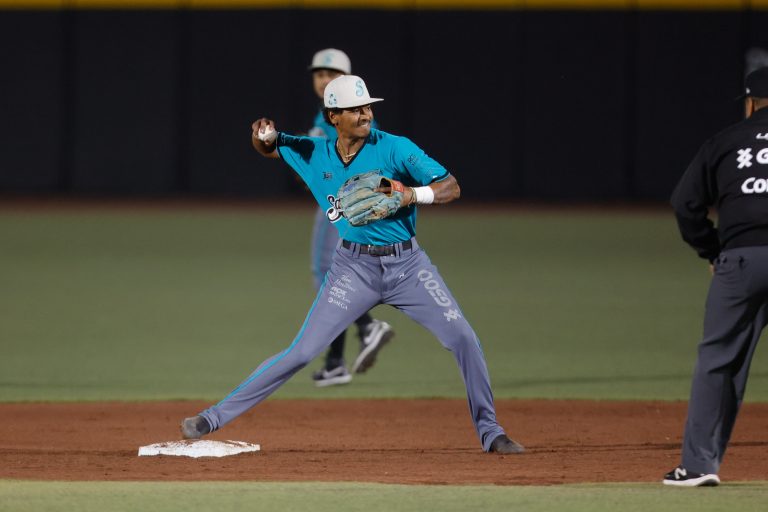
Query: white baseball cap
331	58
347	91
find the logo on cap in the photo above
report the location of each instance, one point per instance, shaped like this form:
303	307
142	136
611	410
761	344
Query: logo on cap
347	91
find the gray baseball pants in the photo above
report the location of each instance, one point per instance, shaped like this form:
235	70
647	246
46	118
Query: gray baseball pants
736	313
355	283
324	238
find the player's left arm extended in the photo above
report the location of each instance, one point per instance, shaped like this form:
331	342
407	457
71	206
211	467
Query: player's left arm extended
436	185
445	190
438	192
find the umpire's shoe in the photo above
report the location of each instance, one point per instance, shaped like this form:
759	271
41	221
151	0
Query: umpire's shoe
681	477
375	335
505	446
195	427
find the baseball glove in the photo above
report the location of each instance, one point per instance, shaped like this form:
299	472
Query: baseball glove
368	197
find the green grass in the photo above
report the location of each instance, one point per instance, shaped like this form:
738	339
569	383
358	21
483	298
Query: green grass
121	305
343	497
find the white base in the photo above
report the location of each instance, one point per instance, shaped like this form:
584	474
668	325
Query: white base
198	448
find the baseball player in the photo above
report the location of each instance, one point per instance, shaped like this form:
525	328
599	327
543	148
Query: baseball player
730	172
369	182
326	65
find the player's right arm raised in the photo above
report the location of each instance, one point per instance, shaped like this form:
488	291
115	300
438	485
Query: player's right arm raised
263	137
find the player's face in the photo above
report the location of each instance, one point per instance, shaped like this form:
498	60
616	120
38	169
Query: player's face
321	77
355	122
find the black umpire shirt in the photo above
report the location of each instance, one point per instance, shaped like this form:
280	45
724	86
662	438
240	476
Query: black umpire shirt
730	172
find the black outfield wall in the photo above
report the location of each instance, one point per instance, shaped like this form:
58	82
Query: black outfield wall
552	105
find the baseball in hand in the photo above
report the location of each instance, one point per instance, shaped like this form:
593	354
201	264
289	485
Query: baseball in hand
267	134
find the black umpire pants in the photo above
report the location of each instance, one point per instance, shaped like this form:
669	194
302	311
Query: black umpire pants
736	313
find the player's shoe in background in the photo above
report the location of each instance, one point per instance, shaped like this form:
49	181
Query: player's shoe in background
195	427
684	478
505	446
375	335
333	377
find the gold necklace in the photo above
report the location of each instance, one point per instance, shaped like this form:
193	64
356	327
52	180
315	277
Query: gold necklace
348	156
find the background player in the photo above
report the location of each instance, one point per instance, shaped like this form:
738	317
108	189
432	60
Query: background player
379	262
731	172
326	65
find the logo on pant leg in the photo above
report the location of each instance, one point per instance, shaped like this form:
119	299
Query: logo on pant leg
452	314
441	297
337	294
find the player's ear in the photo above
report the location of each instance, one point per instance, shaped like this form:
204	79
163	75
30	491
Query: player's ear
749	107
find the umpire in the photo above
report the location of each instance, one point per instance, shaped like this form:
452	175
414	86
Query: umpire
730	173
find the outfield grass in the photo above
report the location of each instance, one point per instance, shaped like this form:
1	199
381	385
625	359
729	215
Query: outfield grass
120	305
342	497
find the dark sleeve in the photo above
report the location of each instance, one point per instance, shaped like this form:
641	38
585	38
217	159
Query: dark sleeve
694	194
297	152
295	149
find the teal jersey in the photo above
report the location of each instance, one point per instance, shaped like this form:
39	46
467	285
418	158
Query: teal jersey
317	162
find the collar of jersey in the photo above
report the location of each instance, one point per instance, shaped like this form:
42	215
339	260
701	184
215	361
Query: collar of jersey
336	150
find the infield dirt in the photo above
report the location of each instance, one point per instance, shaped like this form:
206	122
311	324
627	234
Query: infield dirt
387	441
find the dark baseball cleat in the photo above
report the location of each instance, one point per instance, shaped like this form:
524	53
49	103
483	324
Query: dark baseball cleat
195	427
684	478
333	377
377	334
505	446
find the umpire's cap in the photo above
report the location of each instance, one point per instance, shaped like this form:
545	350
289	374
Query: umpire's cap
331	58
347	91
756	83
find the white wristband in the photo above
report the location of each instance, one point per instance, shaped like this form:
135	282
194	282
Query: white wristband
424	195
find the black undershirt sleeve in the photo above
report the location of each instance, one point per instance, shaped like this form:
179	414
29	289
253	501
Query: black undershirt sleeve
694	194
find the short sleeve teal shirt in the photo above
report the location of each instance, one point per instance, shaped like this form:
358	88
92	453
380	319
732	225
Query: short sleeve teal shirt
317	162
